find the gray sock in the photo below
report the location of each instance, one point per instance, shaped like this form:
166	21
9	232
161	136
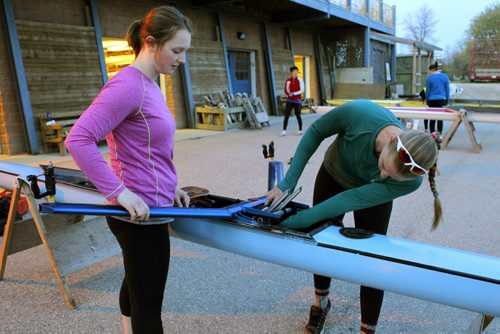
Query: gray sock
321	298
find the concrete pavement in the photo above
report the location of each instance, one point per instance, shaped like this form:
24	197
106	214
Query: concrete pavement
211	291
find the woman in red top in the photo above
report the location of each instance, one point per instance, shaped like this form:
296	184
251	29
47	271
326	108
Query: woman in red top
294	87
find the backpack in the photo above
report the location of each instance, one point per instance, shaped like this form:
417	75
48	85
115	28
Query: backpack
4	212
422	94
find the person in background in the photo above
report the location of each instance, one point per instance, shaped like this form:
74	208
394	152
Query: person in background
437	94
294	88
131	112
372	161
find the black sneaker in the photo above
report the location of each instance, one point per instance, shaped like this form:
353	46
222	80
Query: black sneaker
317	317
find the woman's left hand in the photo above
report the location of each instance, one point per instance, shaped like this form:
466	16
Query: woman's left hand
181	198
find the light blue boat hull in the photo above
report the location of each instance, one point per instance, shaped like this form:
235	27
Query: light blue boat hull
453	277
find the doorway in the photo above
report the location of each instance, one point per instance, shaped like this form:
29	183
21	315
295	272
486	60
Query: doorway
303	63
241	71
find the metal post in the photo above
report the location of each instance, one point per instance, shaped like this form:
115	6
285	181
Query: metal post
98	37
22	85
413	71
393	62
319	65
290	42
382	11
367	47
188	94
270	69
224	49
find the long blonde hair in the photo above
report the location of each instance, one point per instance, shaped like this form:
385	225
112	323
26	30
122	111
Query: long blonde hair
424	149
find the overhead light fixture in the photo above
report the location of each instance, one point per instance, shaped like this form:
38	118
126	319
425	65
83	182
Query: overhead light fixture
241	35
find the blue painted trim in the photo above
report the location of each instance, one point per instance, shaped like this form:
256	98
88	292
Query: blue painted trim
98	36
224	49
381	9
394	18
320	5
393	62
319	66
290	41
382	39
367	47
270	69
188	93
22	84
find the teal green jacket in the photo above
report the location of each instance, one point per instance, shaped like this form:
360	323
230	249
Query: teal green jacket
350	160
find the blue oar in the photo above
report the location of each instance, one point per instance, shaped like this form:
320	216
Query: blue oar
114	210
233	211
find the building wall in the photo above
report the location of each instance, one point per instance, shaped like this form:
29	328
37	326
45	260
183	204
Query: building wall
404	73
51	11
62	66
252	42
282	57
12	138
116	16
303	44
206	57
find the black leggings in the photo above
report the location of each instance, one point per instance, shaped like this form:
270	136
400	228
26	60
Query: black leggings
297	107
432	122
146	254
375	219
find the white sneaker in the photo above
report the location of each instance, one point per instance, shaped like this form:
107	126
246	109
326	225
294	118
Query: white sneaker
299	133
283	133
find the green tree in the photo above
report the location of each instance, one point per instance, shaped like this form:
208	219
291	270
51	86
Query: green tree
458	61
486	24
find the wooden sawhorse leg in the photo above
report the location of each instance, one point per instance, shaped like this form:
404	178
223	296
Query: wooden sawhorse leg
479	324
476	144
23	187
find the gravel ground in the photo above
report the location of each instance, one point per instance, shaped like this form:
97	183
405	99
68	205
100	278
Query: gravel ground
211	291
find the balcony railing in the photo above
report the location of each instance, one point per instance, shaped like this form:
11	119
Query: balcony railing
376	10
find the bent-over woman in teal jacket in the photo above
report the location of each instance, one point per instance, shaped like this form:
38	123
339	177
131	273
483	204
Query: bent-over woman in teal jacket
372	161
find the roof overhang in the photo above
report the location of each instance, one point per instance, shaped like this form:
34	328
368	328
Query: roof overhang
393	39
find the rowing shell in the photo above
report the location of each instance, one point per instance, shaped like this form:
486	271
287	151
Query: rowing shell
448	276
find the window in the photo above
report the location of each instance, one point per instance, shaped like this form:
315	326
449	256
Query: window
117	55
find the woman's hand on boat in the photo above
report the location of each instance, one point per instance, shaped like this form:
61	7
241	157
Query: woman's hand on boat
273	194
181	198
136	207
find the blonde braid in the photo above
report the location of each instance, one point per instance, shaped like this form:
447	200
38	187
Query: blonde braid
424	149
438	210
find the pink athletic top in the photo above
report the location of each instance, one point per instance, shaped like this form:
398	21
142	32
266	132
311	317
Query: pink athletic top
130	111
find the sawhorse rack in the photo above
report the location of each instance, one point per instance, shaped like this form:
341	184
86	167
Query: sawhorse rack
442	114
71	243
471	130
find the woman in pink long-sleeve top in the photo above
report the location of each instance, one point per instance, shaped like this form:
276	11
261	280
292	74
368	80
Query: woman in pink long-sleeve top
131	112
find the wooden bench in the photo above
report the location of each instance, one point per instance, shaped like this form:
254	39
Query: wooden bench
220	119
56	133
307	104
